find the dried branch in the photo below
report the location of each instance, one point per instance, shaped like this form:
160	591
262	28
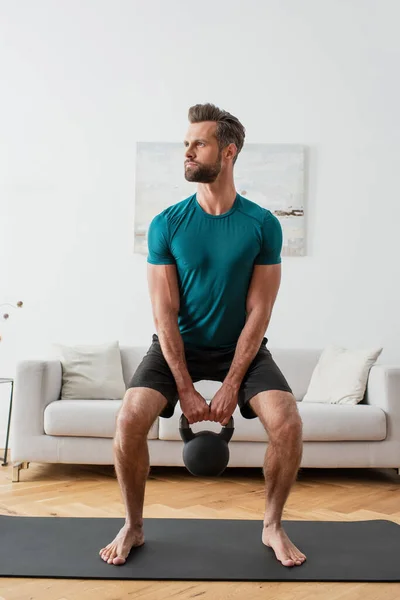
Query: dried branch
6	315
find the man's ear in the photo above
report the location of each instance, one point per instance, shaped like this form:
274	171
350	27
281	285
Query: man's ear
231	151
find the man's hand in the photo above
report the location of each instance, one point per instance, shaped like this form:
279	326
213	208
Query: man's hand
223	404
193	406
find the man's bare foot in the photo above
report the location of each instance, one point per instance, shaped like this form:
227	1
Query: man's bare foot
286	552
116	553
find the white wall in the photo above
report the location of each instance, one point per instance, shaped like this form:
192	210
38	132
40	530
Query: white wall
81	82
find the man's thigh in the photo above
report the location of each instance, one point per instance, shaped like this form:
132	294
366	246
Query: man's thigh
262	375
154	372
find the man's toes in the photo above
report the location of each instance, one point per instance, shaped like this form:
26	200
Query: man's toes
111	556
287	562
105	550
299	559
107	554
118	560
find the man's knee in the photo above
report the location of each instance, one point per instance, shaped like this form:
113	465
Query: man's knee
293	427
279	414
139	410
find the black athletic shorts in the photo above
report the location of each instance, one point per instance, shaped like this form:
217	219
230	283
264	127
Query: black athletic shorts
213	365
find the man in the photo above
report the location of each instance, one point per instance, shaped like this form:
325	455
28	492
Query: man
214	270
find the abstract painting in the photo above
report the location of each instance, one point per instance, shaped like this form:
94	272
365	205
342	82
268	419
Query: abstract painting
272	175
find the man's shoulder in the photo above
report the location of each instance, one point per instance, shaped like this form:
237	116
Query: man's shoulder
177	209
164	221
253	210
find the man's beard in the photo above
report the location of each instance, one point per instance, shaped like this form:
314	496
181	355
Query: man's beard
203	173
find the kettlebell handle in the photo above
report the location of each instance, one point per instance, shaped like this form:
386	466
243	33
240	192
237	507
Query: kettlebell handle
185	430
187	434
227	430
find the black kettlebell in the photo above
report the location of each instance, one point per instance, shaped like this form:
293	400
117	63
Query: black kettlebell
205	453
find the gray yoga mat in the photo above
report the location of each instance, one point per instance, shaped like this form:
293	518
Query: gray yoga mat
199	549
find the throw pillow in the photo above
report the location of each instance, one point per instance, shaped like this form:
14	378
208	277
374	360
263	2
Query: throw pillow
91	372
341	375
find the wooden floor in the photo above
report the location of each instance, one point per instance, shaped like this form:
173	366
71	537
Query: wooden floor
70	490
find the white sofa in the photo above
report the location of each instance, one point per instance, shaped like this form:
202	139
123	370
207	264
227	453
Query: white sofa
46	429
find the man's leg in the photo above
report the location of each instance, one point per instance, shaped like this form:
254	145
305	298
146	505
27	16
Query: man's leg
140	408
279	414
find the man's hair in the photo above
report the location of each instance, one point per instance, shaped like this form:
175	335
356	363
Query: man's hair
229	128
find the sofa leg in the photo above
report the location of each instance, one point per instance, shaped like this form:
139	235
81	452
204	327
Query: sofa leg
16	469
15	472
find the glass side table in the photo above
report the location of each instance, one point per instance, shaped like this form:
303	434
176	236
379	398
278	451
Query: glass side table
7	380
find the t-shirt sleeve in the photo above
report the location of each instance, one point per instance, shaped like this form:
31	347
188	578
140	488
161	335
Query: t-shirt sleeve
271	243
159	250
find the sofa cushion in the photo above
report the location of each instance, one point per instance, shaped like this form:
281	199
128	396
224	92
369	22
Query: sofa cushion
91	371
342	422
341	375
321	422
85	418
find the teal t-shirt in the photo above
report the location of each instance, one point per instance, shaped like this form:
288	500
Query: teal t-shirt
214	257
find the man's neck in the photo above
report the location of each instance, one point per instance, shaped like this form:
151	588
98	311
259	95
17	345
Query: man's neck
215	201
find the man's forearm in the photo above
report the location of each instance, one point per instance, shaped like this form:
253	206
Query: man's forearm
174	351
247	347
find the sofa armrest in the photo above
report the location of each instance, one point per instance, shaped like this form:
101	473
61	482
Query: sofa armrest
37	383
383	390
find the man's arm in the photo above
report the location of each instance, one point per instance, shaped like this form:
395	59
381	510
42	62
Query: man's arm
263	290
164	294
